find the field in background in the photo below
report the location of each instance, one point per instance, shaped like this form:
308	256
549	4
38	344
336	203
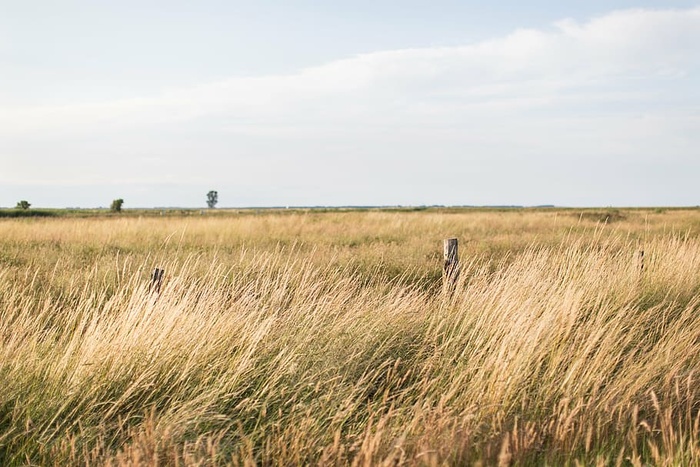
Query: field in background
305	337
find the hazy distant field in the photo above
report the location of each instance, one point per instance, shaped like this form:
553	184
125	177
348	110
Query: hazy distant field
307	337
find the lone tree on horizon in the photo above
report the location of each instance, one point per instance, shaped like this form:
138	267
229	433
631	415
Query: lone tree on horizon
24	205
212	199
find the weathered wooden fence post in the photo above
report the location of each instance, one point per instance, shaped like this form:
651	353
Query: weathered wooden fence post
157	279
451	265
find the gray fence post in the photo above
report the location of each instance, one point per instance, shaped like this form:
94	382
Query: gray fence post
157	279
451	264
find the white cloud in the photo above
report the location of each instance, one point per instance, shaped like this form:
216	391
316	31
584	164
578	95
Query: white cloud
527	67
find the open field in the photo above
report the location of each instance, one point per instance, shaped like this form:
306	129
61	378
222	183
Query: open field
303	337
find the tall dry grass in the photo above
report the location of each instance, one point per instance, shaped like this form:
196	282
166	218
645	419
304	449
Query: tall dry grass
326	339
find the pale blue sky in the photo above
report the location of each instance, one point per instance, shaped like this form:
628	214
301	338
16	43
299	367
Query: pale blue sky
592	103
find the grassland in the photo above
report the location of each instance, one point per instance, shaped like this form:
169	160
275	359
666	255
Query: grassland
304	337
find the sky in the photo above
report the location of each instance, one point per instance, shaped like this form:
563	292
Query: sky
365	103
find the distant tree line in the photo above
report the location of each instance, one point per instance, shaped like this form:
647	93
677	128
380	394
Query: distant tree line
116	206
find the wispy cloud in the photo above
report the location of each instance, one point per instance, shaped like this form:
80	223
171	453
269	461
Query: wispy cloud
525	68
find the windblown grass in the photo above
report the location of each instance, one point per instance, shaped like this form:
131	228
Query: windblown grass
326	339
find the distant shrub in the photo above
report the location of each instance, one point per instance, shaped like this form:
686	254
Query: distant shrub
24	205
25	213
116	205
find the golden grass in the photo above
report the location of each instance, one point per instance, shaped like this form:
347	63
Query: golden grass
325	338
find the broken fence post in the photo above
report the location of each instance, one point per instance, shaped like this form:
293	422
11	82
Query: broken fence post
157	279
451	264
